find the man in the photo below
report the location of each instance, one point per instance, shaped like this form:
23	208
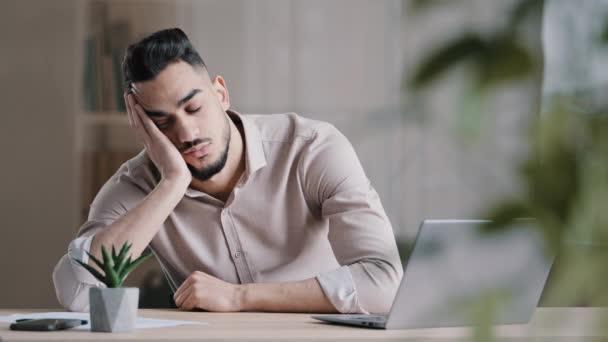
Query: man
243	212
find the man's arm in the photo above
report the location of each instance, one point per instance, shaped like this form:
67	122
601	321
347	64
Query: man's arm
140	224
113	222
299	296
117	205
360	233
206	292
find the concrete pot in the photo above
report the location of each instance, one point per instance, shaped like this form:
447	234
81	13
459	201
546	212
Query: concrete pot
113	309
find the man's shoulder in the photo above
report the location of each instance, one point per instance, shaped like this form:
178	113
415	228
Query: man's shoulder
286	127
136	163
138	171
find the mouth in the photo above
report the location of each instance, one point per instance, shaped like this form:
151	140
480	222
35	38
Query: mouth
198	151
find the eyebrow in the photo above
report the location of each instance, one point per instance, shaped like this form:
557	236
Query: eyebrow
156	113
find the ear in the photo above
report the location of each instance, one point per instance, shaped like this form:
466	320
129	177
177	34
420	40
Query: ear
221	91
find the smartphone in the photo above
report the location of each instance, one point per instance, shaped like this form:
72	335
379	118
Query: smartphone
48	324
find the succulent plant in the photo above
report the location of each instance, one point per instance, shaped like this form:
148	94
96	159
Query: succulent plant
116	266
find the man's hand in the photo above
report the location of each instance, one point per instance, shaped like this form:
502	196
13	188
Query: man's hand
159	148
202	291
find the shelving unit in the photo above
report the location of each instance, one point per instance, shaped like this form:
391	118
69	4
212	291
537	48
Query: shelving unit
103	137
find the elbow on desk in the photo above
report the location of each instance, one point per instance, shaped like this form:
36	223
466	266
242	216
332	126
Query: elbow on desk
379	300
72	294
376	293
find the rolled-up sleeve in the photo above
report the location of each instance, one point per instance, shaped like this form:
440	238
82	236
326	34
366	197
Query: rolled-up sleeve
72	282
360	233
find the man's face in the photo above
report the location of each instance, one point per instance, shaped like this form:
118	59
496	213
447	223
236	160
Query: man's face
190	109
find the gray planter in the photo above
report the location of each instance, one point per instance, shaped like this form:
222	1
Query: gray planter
113	309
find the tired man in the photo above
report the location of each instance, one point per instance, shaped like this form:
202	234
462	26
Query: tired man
243	212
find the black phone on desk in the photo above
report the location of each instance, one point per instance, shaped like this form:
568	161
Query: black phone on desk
46	324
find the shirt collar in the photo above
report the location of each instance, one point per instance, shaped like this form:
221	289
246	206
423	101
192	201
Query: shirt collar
255	158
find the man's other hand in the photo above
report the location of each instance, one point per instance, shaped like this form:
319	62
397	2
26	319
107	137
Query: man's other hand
202	291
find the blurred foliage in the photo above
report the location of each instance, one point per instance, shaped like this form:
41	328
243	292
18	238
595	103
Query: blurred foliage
498	58
565	175
604	37
494	60
566	191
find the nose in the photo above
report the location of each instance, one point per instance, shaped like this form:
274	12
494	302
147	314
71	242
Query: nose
187	130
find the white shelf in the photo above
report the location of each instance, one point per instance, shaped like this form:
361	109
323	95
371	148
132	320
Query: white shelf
106	131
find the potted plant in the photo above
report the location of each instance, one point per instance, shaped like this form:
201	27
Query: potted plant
113	308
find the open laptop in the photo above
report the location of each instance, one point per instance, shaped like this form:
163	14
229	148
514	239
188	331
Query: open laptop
453	266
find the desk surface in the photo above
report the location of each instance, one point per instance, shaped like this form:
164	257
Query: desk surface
550	324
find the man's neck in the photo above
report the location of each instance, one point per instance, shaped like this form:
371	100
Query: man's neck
220	186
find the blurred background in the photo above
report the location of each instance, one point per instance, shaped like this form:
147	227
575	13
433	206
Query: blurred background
432	150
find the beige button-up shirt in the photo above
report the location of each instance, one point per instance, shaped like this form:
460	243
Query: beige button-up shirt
303	208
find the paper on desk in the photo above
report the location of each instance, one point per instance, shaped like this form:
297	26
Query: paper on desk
140	323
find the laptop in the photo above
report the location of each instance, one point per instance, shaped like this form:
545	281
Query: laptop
454	266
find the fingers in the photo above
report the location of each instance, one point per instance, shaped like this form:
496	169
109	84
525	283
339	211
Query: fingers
187	287
182	287
138	115
147	123
134	119
182	293
190	302
144	120
128	106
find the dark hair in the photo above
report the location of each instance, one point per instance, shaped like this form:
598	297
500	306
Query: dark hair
145	59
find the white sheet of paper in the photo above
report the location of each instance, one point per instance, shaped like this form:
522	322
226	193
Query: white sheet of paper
141	323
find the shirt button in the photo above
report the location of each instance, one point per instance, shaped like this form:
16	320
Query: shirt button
224	212
237	254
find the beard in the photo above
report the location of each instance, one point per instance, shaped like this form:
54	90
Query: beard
205	173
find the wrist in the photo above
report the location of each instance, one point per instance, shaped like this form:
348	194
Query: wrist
175	183
171	190
242	297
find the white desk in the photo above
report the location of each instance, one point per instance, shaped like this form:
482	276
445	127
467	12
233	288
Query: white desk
548	324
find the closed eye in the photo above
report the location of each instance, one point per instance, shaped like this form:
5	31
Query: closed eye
193	110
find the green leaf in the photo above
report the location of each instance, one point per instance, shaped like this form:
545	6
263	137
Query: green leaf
122	266
124	250
604	34
97	262
418	5
122	275
116	266
503	216
133	265
107	261
523	9
120	261
112	279
504	59
469	47
91	270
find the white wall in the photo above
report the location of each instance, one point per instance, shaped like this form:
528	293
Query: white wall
38	91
